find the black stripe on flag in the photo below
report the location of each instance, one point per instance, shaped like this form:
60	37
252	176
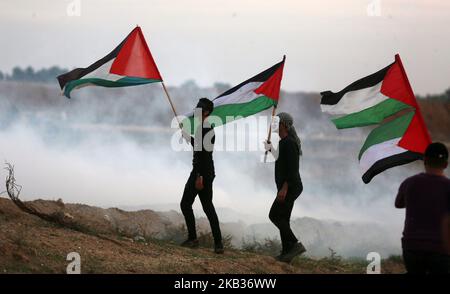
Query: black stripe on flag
388	162
261	77
78	73
331	98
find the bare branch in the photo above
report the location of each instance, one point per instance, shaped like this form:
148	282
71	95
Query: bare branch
59	217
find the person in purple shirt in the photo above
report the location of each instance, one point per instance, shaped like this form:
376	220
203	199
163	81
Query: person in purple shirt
426	197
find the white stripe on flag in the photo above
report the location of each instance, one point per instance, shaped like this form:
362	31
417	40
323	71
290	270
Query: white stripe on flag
242	95
103	72
379	151
355	101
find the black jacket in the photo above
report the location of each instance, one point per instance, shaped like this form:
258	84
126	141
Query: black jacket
287	163
202	162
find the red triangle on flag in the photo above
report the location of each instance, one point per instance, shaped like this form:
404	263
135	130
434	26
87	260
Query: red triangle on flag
396	86
271	87
134	58
416	137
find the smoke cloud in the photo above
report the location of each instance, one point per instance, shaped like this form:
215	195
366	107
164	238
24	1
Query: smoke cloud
112	147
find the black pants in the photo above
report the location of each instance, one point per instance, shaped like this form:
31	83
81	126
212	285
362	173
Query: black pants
421	262
280	215
205	196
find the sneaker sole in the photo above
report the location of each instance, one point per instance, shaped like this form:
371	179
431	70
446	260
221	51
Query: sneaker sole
291	255
190	246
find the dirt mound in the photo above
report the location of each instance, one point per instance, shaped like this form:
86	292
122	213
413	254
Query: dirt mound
142	223
31	245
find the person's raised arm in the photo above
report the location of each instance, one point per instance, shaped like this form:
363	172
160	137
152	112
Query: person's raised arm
269	148
187	137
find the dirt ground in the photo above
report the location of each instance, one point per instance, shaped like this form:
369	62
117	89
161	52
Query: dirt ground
31	245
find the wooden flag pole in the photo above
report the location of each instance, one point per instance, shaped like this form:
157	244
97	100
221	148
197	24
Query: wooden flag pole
270	131
271	121
171	104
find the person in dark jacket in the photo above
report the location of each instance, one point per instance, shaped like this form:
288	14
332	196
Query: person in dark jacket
426	197
201	179
289	186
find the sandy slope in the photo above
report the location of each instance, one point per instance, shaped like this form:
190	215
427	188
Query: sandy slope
31	245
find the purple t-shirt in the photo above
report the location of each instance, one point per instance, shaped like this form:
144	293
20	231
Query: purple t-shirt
426	198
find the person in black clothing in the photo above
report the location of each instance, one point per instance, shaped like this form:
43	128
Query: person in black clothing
201	179
289	186
426	197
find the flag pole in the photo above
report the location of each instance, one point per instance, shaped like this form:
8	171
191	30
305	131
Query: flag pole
269	135
171	104
168	98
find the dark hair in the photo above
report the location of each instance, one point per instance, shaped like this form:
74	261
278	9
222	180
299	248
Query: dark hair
205	104
436	155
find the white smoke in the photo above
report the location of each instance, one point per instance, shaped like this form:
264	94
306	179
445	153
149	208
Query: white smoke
111	147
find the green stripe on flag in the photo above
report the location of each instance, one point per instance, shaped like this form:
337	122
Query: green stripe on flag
388	131
243	109
370	116
232	112
123	82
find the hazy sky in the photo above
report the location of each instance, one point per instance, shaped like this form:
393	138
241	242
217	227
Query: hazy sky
328	43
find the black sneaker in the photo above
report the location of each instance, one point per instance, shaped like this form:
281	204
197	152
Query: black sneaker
279	255
296	249
190	243
284	251
218	249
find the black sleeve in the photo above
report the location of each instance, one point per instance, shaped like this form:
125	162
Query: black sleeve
291	156
213	139
203	157
448	199
400	200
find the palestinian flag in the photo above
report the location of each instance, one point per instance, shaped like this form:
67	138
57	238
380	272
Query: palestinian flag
250	97
384	98
129	64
